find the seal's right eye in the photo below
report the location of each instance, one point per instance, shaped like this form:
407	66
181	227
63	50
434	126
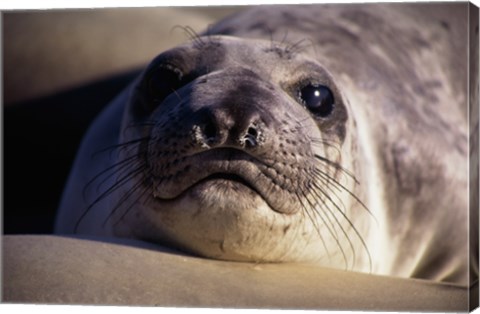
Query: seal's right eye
318	99
161	82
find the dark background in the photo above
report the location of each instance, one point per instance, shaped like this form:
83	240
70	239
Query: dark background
60	68
40	142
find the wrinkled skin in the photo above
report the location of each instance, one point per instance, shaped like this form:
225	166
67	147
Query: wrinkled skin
216	149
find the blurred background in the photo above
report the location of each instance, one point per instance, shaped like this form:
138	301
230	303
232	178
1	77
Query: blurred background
60	68
50	50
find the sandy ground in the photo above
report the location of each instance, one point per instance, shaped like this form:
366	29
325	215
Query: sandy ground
52	270
53	50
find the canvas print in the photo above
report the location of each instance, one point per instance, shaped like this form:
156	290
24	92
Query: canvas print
320	156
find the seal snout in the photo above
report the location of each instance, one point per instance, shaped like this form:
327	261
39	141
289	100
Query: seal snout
219	129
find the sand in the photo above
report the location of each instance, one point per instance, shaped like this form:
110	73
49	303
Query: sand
67	270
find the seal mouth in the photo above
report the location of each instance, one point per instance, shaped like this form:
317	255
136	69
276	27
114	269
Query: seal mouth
235	168
224	171
228	177
229	181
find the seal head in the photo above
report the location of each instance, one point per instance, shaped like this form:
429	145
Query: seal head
233	157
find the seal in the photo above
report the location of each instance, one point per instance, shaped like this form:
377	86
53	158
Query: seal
334	135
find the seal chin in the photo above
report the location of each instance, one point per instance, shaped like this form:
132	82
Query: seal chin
223	218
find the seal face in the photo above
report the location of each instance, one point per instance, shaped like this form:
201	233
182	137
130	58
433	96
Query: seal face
233	159
250	149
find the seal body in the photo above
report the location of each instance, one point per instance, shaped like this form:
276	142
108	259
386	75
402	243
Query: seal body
329	134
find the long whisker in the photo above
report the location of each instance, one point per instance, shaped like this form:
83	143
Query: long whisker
348	220
315	225
323	174
301	196
110	190
120	172
197	40
337	166
126	161
327	196
136	201
120	146
124	198
331	229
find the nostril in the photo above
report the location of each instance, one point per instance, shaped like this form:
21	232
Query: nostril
250	138
210	131
252	131
250	142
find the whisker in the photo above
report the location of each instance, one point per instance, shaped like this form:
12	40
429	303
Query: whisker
349	221
138	125
296	47
120	202
137	200
192	35
121	146
314	222
327	142
337	166
320	173
120	172
110	190
326	195
113	167
331	229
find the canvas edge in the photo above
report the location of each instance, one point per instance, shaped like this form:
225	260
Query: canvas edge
473	90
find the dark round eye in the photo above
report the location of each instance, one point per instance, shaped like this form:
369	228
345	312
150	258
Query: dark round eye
318	99
161	82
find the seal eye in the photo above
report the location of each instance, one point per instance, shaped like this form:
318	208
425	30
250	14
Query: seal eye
318	99
161	82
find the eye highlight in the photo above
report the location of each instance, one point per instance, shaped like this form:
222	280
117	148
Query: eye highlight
318	99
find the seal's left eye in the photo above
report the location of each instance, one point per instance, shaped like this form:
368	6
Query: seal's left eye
161	82
318	99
